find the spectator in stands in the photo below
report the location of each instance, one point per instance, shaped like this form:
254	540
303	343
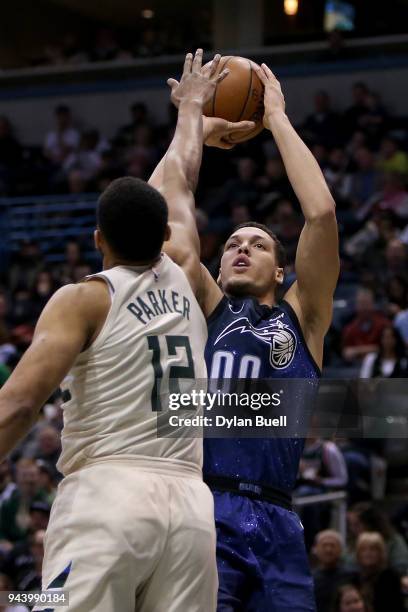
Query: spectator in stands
274	180
64	273
330	571
357	109
87	158
24	311
25	266
63	139
390	361
365	517
397	294
287	224
47	447
381	584
374	120
363	334
392	158
23	564
47	480
72	49
337	174
242	189
322	126
7	585
348	598
139	116
15	510
39	515
365	181
77	183
401	324
44	288
141	156
106	47
393	195
149	44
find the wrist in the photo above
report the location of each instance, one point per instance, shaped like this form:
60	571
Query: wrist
274	116
191	103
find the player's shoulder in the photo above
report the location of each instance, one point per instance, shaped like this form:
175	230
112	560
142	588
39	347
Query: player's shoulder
89	297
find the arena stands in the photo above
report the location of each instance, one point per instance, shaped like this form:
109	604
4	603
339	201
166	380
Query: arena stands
48	195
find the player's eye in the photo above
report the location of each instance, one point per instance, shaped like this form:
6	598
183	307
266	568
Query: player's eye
259	245
231	245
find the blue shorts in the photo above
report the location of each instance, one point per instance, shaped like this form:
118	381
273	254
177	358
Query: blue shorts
261	557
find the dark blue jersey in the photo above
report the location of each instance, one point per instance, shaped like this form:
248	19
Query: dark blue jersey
249	340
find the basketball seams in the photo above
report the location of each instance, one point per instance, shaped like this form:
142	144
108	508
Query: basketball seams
220	69
248	93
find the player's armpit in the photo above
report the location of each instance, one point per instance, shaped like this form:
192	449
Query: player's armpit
63	330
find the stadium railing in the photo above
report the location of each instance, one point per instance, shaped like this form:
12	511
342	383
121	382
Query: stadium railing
338	501
50	221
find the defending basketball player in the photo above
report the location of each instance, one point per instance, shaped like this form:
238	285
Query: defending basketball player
132	527
262	562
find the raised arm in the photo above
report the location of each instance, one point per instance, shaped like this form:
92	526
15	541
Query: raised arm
67	323
317	257
176	175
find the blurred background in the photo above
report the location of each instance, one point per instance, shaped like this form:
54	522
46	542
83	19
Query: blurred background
83	100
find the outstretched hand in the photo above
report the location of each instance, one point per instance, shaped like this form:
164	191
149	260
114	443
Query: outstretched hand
217	132
273	96
198	82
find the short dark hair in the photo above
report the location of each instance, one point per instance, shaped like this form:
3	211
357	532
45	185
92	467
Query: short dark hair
279	249
132	217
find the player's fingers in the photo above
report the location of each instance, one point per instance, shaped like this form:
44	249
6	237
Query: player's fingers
172	83
197	61
222	75
241	126
214	64
187	63
261	74
268	72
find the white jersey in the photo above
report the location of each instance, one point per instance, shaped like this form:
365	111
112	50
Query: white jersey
154	333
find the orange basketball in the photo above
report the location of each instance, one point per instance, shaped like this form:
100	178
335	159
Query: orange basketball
239	97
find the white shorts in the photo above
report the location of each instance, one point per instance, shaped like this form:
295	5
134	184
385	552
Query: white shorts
125	539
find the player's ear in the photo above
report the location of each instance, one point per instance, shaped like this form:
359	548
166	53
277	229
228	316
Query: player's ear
167	233
98	240
279	275
219	279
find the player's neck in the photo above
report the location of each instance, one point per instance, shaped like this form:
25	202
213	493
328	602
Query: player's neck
267	300
111	261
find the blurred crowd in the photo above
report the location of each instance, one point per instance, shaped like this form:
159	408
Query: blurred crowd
149	37
363	152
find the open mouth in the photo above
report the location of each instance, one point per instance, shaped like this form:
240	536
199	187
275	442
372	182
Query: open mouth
242	262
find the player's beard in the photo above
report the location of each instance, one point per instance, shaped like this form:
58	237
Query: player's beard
240	287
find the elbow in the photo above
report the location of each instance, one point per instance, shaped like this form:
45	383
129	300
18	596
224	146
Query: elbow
324	213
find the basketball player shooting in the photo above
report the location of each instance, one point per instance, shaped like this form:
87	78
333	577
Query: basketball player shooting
132	526
262	562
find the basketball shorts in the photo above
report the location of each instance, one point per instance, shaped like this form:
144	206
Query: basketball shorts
127	539
261	557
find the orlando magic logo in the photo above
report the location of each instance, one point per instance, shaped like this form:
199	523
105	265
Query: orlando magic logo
275	333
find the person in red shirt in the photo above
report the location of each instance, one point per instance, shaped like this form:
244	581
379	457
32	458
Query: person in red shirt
362	335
